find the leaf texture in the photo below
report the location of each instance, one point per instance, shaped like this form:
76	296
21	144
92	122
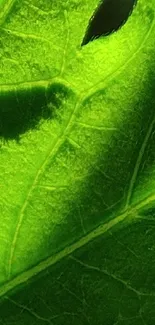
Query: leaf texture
77	160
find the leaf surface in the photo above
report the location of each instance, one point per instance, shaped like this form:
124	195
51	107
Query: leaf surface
77	158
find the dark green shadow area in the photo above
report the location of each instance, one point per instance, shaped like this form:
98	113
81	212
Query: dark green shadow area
23	110
102	194
110	282
105	191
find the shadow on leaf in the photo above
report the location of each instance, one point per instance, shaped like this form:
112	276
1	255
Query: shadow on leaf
23	110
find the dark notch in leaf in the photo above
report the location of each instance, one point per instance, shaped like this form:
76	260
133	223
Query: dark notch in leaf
108	17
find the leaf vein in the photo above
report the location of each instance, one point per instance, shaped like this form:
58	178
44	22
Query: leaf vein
138	162
99	85
127	216
6	9
50	154
30	36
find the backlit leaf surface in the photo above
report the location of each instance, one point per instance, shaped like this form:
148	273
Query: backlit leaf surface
77	166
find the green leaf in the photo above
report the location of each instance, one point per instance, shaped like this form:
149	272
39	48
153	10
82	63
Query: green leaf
77	166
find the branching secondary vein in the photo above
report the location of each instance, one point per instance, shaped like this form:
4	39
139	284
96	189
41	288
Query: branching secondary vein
138	162
31	36
50	154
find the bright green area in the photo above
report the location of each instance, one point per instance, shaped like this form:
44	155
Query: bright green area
77	167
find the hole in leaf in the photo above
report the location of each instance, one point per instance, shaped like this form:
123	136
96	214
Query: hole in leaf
108	17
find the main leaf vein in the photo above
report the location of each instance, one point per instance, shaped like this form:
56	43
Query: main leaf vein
100	230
